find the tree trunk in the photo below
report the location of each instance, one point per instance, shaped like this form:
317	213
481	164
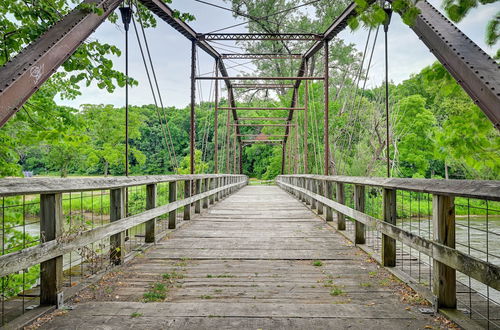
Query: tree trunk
445	170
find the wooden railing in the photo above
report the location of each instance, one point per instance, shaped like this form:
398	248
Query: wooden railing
318	192
200	191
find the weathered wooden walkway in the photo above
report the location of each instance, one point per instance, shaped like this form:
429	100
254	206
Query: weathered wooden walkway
258	259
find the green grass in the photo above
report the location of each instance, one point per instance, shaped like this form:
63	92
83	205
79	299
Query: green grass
157	292
336	291
317	263
220	276
172	276
206	297
135	314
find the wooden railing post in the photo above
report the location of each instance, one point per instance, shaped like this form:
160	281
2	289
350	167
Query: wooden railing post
117	212
187	193
444	277
211	199
217	185
389	244
172	197
197	204
310	187
359	200
328	189
150	204
305	184
206	183
51	227
319	191
340	196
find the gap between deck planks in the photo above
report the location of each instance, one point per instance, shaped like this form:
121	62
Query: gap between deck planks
247	263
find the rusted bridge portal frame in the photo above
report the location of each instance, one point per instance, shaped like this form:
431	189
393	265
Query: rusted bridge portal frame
473	69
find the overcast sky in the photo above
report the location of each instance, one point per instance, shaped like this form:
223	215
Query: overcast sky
171	53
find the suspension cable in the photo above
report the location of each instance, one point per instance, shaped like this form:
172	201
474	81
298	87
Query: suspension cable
267	16
151	87
176	164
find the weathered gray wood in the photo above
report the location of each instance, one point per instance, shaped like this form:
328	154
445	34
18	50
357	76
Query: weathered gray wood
320	191
340	197
51	228
19	260
32	186
217	185
389	244
116	213
312	187
206	187
150	236
211	199
197	204
187	193
484	272
481	189
444	277
172	197
359	201
271	276
328	188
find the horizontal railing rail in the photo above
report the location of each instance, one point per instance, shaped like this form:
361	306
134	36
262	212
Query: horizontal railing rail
199	192
318	192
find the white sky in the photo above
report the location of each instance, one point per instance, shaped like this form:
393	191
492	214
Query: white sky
171	53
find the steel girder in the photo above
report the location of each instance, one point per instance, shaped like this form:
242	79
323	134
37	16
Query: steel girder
24	74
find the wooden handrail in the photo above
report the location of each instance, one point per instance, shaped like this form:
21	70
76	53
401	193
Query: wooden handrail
32	186
19	260
316	191
481	189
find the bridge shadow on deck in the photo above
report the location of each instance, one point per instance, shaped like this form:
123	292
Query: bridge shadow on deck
258	259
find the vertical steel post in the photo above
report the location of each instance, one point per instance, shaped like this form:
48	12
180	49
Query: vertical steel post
283	155
228	134
306	110
234	150
325	131
241	158
386	29
192	133
216	120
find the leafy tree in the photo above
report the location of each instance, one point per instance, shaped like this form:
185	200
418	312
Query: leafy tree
105	125
185	164
414	131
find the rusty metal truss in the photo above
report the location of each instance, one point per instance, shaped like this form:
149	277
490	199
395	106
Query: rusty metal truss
260	36
261	56
263	86
473	69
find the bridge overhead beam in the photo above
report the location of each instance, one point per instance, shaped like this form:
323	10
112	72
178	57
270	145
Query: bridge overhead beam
263	86
257	108
167	14
261	56
298	78
474	70
25	73
260	36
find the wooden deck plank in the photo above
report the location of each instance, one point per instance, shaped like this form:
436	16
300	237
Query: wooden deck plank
249	263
